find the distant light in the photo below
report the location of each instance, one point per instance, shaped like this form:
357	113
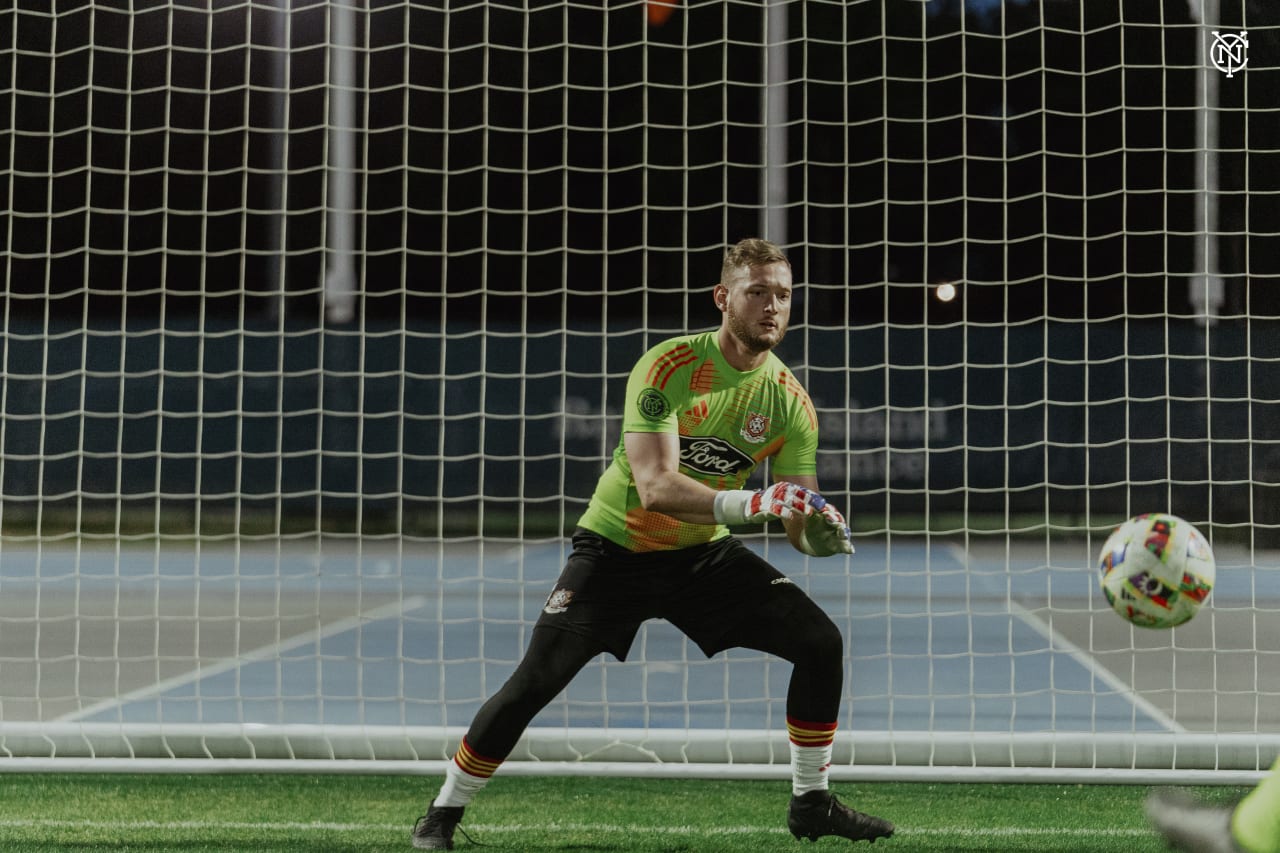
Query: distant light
945	292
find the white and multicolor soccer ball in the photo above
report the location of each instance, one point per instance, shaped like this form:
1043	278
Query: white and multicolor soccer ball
1157	570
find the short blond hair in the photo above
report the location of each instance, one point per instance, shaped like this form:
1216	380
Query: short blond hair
751	252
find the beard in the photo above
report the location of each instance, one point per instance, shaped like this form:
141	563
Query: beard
752	341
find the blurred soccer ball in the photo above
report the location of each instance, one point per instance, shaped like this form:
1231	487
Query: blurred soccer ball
1157	570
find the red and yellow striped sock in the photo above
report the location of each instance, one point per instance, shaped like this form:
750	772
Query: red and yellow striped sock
465	776
811	745
473	763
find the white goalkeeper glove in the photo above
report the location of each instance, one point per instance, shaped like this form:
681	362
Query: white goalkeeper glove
781	500
825	531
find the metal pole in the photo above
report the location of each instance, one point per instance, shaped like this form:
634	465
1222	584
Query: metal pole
774	108
276	268
1205	289
340	279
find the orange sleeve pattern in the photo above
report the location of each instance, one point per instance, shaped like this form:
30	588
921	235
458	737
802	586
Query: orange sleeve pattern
665	366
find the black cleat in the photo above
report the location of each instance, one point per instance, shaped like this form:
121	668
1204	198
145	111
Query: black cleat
819	813
434	830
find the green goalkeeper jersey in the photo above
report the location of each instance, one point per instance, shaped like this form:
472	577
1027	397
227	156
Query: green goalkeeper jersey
728	421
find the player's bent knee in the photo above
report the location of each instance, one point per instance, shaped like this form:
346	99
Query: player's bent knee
806	634
828	641
821	640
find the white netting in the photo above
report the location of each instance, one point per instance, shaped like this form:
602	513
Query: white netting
317	318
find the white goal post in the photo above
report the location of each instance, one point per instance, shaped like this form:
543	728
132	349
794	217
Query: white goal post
317	317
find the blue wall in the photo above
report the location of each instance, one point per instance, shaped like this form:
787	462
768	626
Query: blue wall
1036	417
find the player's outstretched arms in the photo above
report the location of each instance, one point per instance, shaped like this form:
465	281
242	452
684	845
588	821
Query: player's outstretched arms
781	500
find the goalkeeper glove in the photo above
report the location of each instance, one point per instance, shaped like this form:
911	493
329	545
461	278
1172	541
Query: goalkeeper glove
781	500
825	531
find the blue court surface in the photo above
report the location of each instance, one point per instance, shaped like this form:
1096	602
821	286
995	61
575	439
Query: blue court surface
419	634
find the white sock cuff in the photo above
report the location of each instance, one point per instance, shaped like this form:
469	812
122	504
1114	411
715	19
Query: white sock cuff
809	768
459	787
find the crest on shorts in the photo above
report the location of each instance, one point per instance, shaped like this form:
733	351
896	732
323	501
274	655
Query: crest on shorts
558	601
756	428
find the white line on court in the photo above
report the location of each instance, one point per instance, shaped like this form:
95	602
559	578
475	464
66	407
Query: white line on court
264	653
1058	642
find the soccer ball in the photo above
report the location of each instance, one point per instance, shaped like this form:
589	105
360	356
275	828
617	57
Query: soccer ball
1157	570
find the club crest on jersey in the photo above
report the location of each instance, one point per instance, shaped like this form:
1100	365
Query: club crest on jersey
558	601
653	405
756	428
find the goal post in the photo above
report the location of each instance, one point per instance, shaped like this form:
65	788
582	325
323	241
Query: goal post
317	319
754	754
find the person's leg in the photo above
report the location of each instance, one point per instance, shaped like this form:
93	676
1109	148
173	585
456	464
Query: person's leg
586	614
1256	822
553	658
741	601
807	638
1195	826
804	635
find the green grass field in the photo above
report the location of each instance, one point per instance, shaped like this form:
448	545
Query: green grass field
364	813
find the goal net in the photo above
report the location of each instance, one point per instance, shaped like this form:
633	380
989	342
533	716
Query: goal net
317	318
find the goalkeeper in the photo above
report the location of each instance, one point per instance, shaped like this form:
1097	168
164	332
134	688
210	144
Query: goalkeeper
702	412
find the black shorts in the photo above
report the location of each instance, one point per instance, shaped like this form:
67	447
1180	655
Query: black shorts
606	592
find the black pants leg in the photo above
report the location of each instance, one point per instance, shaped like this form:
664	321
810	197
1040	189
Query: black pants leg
806	637
553	658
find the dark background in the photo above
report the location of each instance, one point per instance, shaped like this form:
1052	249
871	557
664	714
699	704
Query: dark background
553	184
529	160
